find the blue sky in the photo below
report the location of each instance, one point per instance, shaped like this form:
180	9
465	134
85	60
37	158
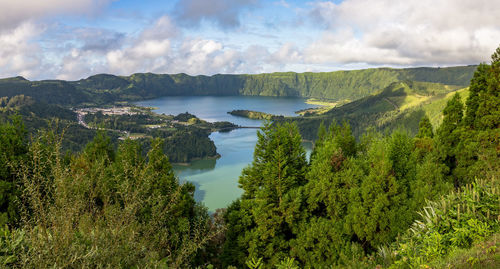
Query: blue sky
75	39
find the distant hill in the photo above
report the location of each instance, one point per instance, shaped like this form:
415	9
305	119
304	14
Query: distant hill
400	105
48	91
339	85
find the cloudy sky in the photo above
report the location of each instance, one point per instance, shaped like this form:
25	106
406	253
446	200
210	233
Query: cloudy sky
75	39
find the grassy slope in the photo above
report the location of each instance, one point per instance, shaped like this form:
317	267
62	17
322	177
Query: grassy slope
401	104
484	255
434	109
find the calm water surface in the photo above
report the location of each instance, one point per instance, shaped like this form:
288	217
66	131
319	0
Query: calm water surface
217	180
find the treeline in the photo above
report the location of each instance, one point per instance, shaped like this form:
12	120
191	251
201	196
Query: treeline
252	114
339	85
186	137
185	143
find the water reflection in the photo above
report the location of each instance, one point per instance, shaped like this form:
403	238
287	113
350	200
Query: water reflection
195	167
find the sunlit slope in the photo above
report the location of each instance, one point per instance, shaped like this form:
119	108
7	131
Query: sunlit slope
400	105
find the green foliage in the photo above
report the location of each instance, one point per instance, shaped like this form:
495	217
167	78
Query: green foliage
265	215
254	264
103	208
425	128
449	131
456	221
13	149
469	146
251	114
12	244
100	148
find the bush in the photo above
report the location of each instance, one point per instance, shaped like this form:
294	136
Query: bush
460	219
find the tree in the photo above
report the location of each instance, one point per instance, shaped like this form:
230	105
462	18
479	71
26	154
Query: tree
478	85
449	133
13	149
322	238
266	208
425	128
478	145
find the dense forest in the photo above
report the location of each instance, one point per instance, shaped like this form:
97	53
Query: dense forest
339	85
390	200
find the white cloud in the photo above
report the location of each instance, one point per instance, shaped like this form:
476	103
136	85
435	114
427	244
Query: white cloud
161	49
148	52
18	55
411	32
351	34
15	12
287	53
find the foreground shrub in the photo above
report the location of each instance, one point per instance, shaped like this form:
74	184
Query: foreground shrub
103	209
458	220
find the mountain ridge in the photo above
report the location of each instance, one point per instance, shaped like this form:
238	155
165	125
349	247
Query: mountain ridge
336	85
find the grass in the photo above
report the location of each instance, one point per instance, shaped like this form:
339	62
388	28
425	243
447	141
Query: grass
414	100
318	102
325	106
435	106
485	255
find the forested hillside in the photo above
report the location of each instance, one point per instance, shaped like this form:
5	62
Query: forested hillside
339	85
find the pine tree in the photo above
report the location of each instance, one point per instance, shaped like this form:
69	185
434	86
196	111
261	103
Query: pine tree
319	141
425	128
279	167
449	133
478	146
322	238
478	86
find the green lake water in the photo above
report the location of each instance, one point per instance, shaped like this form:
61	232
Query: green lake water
217	180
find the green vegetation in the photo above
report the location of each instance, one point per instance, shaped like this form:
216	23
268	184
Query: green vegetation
340	85
102	208
252	114
400	105
39	115
354	203
389	200
450	225
184	141
185	136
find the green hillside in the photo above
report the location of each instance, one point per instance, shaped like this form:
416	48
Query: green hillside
48	91
339	85
401	104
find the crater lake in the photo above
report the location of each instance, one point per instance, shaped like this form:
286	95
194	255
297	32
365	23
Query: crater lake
216	181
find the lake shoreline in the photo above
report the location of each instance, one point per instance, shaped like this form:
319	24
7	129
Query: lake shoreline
217	177
186	164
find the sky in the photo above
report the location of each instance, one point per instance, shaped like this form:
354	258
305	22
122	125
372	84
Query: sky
71	40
